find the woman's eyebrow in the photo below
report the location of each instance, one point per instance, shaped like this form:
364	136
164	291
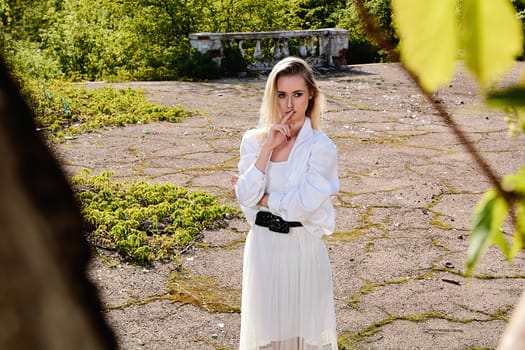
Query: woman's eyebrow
293	92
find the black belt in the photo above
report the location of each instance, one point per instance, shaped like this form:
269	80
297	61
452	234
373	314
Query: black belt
275	223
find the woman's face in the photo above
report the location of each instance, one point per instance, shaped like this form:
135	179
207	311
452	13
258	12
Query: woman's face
293	94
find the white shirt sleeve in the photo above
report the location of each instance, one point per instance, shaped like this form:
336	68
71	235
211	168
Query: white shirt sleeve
252	182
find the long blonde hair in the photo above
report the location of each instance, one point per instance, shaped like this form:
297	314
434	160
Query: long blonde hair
270	113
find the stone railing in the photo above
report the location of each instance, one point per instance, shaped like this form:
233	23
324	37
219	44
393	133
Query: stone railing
325	46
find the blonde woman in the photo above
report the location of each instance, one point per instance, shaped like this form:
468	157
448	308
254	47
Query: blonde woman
287	175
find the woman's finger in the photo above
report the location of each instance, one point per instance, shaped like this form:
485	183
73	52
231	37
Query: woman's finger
287	116
281	129
284	130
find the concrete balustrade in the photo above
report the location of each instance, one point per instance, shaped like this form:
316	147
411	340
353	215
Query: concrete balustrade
326	46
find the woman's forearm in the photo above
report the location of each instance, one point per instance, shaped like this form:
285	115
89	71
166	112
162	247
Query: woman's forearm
263	157
264	201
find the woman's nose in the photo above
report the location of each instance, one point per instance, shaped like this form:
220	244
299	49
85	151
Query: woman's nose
289	104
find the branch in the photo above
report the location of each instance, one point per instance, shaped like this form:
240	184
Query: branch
378	35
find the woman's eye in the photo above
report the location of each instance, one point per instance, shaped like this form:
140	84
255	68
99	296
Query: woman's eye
280	95
298	94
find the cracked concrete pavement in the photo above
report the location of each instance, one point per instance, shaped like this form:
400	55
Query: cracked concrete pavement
408	188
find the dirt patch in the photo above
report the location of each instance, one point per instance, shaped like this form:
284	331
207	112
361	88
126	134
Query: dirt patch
407	192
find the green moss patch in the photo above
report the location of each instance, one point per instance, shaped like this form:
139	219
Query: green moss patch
349	340
204	292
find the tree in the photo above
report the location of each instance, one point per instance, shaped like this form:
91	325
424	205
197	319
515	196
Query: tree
43	247
310	14
361	47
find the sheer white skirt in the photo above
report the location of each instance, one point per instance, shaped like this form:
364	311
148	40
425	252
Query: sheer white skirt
287	292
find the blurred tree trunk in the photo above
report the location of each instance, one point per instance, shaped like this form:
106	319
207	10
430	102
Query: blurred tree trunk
46	299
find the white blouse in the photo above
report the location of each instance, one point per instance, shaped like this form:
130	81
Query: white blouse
311	180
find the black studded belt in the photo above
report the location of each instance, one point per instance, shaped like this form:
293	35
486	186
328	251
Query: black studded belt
275	223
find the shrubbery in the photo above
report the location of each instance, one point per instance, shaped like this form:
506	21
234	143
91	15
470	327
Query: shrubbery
361	49
232	62
200	66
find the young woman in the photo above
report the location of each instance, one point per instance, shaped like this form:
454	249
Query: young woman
287	175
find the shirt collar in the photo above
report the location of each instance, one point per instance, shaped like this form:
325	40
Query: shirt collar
306	131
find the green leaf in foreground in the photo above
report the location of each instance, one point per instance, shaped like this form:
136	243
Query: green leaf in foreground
429	39
512	101
142	221
492	38
509	97
490	215
515	183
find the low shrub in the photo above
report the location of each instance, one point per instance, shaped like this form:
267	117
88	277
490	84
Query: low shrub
233	62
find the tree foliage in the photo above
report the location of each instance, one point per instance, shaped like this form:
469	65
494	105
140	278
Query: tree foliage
148	39
361	47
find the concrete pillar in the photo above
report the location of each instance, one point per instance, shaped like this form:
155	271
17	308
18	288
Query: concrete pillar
209	44
337	47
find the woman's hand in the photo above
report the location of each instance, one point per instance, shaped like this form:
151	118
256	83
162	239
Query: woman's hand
264	200
279	133
233	181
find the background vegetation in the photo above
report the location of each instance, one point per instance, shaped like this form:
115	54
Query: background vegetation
80	40
64	110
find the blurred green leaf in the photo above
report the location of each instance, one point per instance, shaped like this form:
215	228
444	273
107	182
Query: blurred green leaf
429	39
512	101
492	38
515	182
489	216
519	235
509	97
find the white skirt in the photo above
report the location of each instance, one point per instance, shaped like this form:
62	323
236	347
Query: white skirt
287	292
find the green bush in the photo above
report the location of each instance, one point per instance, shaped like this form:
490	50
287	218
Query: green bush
201	67
232	62
28	61
361	48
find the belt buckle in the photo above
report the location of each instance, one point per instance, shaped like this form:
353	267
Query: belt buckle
277	224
